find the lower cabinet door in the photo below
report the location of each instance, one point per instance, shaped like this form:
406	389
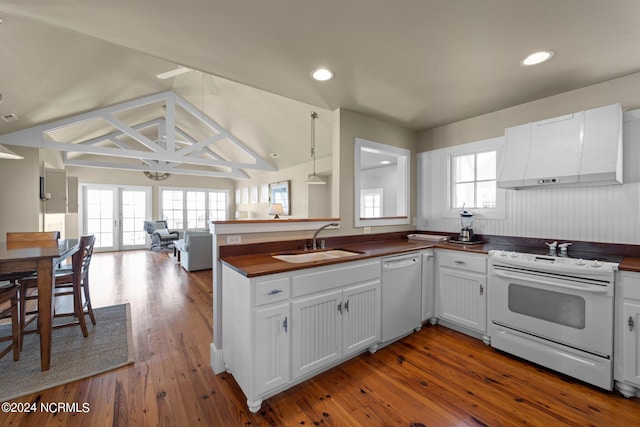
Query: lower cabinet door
272	347
631	342
462	298
361	316
317	332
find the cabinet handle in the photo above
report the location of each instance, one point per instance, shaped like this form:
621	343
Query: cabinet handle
481	289
340	308
346	306
458	262
631	323
285	324
274	291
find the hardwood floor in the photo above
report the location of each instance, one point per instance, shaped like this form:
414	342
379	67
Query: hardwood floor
436	377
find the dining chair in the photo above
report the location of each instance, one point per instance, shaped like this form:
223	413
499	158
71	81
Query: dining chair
20	240
73	282
9	294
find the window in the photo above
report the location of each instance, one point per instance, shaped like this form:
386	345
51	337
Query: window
474	180
196	210
173	208
217	205
371	203
192	209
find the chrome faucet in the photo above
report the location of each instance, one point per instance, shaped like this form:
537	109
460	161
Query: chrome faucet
314	245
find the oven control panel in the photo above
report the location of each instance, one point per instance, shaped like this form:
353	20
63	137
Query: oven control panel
533	260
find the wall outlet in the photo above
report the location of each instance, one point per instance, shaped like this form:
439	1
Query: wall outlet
366	230
234	240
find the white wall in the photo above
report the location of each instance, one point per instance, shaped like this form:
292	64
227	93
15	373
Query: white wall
353	125
20	192
307	201
608	214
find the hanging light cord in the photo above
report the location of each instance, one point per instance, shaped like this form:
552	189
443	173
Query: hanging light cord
314	116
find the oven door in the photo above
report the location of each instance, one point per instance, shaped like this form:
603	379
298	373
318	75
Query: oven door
556	308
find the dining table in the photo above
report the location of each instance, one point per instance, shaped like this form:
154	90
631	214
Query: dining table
16	258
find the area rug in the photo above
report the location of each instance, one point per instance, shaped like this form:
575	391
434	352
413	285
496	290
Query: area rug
73	357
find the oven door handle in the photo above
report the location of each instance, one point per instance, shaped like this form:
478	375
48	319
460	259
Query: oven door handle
593	290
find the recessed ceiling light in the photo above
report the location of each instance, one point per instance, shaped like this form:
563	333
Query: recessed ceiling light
385	162
322	74
537	58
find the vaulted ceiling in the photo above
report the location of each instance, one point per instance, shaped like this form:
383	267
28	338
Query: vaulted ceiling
415	63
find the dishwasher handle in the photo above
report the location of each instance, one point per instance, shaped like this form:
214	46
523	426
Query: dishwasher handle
399	263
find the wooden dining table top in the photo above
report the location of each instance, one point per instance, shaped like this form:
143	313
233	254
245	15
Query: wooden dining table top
15	253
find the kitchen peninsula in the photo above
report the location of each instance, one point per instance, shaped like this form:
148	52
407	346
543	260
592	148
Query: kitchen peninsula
267	295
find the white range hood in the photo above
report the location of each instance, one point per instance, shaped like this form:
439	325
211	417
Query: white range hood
583	148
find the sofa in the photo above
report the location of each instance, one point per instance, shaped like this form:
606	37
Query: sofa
196	250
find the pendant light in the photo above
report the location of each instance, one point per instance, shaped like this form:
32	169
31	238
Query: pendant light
313	178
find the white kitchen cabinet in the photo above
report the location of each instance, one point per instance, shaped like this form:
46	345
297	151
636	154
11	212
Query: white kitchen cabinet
281	329
342	319
256	332
461	290
627	334
317	333
272	347
428	285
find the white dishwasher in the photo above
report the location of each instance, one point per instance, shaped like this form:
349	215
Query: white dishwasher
401	296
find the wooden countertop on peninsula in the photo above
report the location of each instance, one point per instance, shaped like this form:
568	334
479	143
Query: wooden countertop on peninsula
263	263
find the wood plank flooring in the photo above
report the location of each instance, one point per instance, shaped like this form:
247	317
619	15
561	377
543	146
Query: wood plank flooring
436	377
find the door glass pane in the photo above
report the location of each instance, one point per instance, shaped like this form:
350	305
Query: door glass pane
100	216
134	211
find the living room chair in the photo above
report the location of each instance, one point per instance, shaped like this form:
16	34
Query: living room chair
9	294
160	234
73	282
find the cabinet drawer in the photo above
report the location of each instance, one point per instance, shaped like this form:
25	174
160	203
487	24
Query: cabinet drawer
274	290
463	261
631	285
330	277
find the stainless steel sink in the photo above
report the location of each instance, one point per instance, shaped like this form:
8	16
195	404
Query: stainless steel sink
315	256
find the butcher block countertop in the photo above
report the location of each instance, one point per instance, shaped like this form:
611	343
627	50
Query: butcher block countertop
261	264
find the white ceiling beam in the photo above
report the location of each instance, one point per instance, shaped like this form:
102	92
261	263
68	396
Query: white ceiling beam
169	156
233	174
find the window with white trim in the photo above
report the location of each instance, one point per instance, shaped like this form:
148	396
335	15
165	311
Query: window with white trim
473	178
187	209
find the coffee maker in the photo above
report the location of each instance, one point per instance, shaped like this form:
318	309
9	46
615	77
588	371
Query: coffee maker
466	220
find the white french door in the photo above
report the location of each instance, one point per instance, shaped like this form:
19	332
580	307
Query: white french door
116	215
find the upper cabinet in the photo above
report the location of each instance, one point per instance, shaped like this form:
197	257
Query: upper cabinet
381	184
579	148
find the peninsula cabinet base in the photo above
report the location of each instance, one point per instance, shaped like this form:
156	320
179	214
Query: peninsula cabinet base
627	390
